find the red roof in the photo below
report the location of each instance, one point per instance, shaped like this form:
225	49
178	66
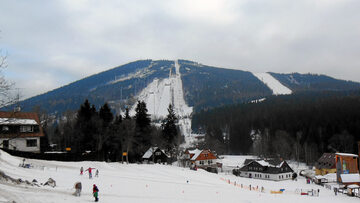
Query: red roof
200	154
22	115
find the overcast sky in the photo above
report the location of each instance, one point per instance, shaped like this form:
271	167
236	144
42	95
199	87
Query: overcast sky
52	43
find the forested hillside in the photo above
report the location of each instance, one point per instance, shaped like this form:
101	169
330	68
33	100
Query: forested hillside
312	82
299	126
204	87
116	85
207	86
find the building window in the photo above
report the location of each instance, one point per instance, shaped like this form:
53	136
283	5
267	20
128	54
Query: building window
157	153
26	128
31	143
202	162
5	128
210	162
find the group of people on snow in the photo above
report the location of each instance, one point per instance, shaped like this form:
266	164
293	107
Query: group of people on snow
90	172
78	185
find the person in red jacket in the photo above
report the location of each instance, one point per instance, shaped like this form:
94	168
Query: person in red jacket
90	174
96	193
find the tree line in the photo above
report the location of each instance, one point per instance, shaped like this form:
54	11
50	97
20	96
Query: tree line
108	135
300	126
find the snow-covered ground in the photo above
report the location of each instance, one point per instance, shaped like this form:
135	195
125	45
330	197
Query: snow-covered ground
147	184
272	83
160	93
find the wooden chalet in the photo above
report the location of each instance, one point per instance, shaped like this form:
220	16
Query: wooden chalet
266	169
20	131
200	158
155	155
347	168
326	164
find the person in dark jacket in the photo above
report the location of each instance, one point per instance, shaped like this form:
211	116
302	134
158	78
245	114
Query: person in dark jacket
96	193
78	188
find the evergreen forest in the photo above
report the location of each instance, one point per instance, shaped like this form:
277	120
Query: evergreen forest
301	126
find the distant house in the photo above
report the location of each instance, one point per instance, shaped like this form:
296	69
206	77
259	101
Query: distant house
347	169
20	131
326	164
155	155
266	169
200	158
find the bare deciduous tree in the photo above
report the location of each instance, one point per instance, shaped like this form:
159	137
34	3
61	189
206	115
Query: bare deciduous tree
5	85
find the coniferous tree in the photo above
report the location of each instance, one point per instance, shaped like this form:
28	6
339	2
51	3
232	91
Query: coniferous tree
106	115
170	131
86	127
142	139
127	115
142	117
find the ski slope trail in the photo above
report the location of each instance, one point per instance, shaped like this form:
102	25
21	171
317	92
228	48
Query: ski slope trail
141	183
160	93
272	83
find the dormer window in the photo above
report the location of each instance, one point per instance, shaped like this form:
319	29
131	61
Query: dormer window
26	128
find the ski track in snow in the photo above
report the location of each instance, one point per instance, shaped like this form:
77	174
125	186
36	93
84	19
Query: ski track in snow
160	93
142	183
272	83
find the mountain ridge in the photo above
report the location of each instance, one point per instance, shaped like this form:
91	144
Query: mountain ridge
203	86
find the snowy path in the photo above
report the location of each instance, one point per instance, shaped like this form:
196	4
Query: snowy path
272	83
146	184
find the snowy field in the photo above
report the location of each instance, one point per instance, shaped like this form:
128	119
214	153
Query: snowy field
146	183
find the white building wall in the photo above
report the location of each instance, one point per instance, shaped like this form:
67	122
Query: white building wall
266	176
206	162
19	144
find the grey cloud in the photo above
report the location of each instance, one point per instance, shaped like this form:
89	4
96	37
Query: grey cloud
69	40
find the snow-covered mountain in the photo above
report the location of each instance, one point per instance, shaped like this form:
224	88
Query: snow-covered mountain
160	93
188	85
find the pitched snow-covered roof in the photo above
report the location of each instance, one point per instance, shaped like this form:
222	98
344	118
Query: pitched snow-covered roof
346	154
266	163
352	186
17	121
149	152
350	178
320	177
196	153
263	163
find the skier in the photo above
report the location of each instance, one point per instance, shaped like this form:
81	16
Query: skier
78	188
90	174
81	170
97	173
95	192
